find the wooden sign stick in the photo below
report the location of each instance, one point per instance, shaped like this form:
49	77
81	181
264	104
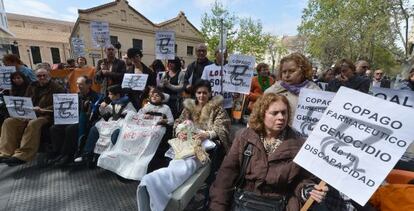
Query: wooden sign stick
310	201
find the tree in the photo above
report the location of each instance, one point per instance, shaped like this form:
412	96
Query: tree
210	27
276	50
249	39
355	29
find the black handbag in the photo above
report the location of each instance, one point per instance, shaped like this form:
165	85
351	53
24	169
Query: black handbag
249	201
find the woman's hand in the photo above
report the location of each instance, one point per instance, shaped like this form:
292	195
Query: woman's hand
319	193
202	136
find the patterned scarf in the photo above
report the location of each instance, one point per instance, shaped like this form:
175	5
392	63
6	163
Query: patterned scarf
295	88
264	82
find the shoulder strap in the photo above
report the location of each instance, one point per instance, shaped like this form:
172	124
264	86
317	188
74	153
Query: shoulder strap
247	154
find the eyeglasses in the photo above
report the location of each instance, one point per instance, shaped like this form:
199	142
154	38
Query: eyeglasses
41	75
379	73
365	67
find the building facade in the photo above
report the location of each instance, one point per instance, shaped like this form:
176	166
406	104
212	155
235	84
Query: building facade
131	29
5	34
39	39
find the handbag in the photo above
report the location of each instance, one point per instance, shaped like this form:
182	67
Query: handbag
249	201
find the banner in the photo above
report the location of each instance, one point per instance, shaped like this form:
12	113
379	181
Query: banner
311	105
5	72
357	143
20	107
137	143
239	73
164	45
105	129
65	109
100	33
134	81
402	97
78	46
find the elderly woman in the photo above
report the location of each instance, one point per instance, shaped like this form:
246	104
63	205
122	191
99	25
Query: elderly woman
20	138
295	73
270	175
260	83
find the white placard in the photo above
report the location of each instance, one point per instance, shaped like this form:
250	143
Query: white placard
134	81
100	33
78	46
66	109
5	72
20	107
164	45
357	142
239	74
212	73
402	97
137	143
311	105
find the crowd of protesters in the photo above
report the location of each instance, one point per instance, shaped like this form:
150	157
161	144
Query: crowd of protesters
181	94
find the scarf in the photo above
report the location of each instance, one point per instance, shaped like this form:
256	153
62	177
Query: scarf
294	88
263	84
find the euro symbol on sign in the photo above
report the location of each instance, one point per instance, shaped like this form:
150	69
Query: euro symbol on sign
134	81
6	78
237	72
164	42
63	109
18	106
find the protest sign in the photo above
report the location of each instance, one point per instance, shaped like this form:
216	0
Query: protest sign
100	33
402	97
134	81
20	107
212	73
66	109
356	143
311	105
5	72
164	45
137	143
78	46
239	73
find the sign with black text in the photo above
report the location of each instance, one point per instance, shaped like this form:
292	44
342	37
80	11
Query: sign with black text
311	105
66	109
100	33
20	107
164	45
402	97
5	72
356	143
239	73
134	81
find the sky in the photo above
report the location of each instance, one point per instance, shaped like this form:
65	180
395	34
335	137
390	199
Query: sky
279	17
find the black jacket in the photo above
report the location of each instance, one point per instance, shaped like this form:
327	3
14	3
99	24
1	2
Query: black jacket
357	82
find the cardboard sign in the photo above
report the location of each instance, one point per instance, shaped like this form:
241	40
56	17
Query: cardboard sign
137	143
20	107
164	45
402	97
78	46
134	81
212	73
311	105
66	109
5	72
239	74
100	33
357	143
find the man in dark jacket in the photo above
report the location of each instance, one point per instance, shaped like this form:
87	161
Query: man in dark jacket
109	71
195	69
379	81
348	78
20	138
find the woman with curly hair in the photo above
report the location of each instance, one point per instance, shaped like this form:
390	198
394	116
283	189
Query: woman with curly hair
295	73
269	177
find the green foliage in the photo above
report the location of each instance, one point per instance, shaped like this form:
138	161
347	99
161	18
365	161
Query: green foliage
249	39
355	29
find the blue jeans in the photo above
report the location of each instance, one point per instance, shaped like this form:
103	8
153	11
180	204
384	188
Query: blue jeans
93	137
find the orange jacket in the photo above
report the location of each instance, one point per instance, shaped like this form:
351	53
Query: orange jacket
393	197
256	91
